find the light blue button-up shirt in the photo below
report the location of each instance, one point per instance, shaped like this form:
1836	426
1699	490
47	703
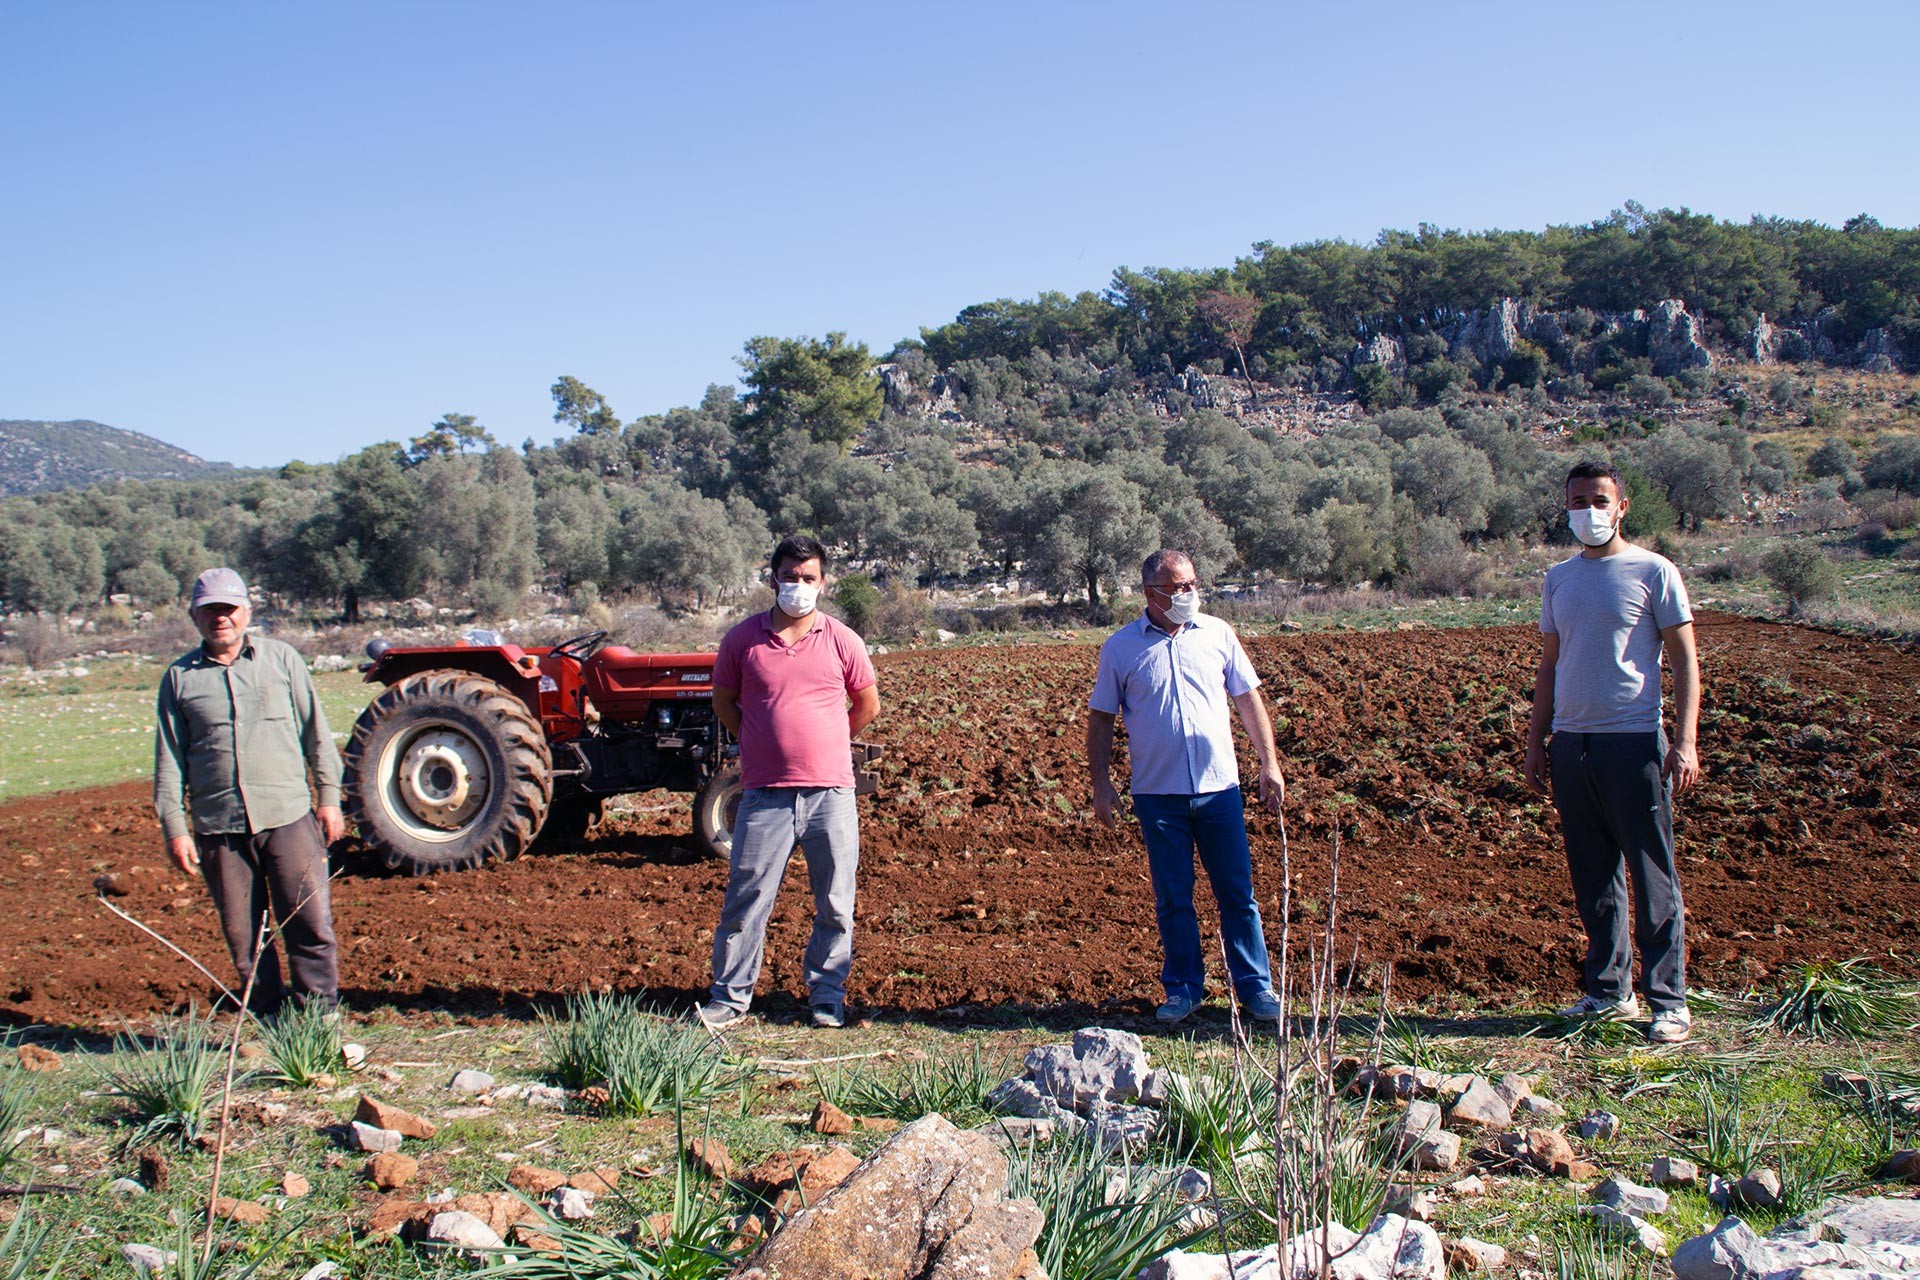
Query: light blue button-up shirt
1175	692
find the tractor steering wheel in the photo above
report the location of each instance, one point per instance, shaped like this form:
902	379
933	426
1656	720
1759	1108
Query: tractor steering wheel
580	647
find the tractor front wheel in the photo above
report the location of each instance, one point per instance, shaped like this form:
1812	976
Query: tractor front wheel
447	770
714	809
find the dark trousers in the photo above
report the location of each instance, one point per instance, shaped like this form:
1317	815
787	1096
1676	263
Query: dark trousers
1616	815
287	869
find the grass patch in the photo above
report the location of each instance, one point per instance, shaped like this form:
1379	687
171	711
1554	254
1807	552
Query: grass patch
1101	1221
303	1044
1845	1000
168	1081
644	1062
955	1086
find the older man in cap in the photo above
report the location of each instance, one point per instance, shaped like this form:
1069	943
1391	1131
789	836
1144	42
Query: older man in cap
240	727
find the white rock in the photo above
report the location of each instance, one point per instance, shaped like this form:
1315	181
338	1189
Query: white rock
368	1138
1535	1107
324	1271
127	1187
571	1203
446	1195
1437	1152
462	1230
1192	1184
146	1259
1671	1171
1624	1226
1421	1119
355	1055
1476	1255
1394	1247
1599	1125
1481	1108
471	1081
1471	1185
1630	1197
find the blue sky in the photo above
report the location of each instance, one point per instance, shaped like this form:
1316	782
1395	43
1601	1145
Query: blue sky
269	231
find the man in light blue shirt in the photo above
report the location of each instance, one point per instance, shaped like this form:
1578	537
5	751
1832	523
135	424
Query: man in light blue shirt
1172	675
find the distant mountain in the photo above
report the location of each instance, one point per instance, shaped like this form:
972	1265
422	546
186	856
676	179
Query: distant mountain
36	457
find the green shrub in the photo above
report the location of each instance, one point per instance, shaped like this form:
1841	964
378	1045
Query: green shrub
645	1062
1091	1233
1850	999
1801	573
955	1087
167	1081
303	1044
857	599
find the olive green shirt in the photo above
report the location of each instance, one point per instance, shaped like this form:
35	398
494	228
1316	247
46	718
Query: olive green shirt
234	743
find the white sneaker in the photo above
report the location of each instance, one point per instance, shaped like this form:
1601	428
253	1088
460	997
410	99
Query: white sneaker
1671	1026
1625	1010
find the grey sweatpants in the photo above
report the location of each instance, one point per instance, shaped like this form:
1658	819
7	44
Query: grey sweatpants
287	869
825	823
1616	815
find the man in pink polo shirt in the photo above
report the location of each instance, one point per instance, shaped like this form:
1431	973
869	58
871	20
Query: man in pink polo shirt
794	686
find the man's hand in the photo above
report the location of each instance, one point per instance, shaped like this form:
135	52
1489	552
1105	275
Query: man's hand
1538	775
1105	801
1273	788
1682	767
333	823
185	853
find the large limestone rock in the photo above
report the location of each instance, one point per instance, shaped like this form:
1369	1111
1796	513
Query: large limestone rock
928	1204
1394	1248
1101	1065
1865	1239
1490	335
1763	344
1384	349
1673	339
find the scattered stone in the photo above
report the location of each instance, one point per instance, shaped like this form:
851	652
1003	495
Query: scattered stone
534	1180
1599	1126
1625	1226
1544	1150
830	1120
1902	1164
1471	1185
604	1179
1512	1088
1154	1089
1192	1184
794	1179
1116	1126
390	1170
1847	1084
250	1111
1671	1171
109	886
394	1213
531	1238
1419	1120
243	1211
878	1124
366	1137
571	1204
443	1196
295	1187
1018	1131
251	1052
938	1189
1101	1065
146	1259
471	1082
1467	1254
1437	1152
1393	1246
383	1115
34	1058
321	1271
1480	1108
1417	1203
1871	1239
1534	1107
127	1187
1758	1190
709	1156
355	1055
1630	1197
462	1230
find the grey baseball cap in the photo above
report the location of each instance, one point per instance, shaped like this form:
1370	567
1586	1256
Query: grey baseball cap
218	586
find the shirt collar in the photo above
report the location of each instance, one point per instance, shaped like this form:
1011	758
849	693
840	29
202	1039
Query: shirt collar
202	658
816	621
1147	627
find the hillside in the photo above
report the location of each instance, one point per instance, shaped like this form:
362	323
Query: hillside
38	457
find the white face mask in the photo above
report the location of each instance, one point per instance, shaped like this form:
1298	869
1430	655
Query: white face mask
1182	608
1591	525
797	598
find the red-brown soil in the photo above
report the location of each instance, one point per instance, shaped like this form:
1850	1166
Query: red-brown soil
984	880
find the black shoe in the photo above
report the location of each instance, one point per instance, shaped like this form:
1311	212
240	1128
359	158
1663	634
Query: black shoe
713	1015
829	1015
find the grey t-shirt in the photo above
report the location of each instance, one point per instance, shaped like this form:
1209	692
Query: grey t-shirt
1608	612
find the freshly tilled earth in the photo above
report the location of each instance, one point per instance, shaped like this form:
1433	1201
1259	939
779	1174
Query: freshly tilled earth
984	880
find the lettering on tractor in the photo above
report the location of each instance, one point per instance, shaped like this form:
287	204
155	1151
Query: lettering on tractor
476	748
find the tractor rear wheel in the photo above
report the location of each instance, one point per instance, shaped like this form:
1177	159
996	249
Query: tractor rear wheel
714	808
447	770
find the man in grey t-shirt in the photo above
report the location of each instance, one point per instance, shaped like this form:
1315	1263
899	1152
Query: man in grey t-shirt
1606	618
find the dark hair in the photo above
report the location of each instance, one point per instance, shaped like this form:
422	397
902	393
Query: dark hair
799	548
1591	470
1162	560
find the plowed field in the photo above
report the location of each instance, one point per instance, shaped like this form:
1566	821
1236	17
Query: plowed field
984	880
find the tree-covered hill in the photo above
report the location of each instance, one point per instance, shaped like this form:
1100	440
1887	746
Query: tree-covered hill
39	457
1328	413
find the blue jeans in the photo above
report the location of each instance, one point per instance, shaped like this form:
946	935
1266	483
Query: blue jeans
1215	824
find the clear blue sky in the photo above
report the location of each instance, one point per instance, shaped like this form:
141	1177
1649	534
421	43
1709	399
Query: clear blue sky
268	231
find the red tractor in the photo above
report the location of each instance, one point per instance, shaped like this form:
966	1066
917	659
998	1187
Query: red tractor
475	748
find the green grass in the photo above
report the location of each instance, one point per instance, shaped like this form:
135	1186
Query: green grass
97	729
